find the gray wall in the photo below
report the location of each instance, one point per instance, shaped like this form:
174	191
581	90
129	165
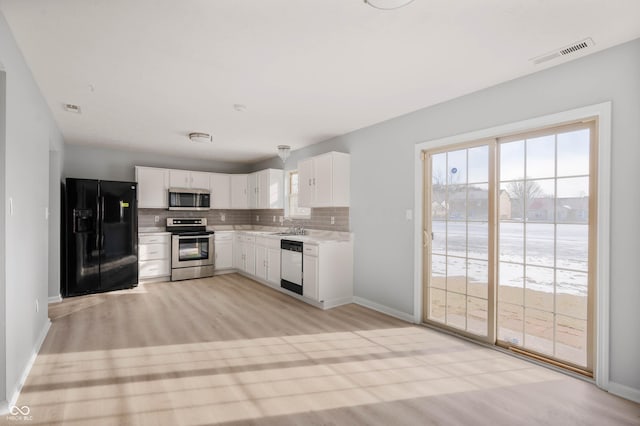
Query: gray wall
3	324
29	135
382	180
55	178
87	162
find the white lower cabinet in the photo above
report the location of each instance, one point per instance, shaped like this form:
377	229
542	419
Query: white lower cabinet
268	259
223	251
245	253
327	272
327	267
310	276
154	256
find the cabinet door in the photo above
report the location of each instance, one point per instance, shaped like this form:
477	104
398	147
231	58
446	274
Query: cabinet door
305	183
264	195
199	180
179	179
261	262
250	258
223	255
252	189
273	265
323	180
220	185
310	277
237	252
239	198
152	187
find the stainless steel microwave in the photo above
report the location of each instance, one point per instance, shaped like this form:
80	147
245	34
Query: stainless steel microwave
189	199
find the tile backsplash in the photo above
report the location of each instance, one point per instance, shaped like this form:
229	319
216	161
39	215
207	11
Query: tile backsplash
320	218
146	217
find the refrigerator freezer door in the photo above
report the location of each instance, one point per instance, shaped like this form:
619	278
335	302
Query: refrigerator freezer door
119	237
82	238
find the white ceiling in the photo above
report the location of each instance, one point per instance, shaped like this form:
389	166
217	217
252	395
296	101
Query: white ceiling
148	72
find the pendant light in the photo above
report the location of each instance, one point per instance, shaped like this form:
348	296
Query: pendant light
283	152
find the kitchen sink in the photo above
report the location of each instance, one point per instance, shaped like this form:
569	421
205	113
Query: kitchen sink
293	234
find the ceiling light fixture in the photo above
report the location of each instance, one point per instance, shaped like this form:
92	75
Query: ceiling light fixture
240	107
283	152
200	137
388	4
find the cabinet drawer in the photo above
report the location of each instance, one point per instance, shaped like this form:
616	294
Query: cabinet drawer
154	239
248	238
153	251
227	236
310	250
154	268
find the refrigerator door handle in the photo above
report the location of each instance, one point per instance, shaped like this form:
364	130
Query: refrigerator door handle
97	224
101	221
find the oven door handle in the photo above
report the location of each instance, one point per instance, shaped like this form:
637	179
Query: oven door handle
184	237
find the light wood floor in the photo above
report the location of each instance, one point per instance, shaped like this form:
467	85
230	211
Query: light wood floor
229	350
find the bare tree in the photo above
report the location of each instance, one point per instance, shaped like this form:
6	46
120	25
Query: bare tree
522	195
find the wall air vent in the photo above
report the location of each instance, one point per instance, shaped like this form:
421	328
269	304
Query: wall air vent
567	50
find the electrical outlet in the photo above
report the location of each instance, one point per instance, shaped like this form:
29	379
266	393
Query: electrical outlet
223	217
333	220
156	219
257	218
274	218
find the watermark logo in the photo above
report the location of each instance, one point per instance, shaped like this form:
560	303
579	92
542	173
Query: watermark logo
20	413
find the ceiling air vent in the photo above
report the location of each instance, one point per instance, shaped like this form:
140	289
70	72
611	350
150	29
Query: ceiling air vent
72	108
567	50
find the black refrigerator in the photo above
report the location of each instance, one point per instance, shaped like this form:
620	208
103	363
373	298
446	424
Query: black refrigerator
101	236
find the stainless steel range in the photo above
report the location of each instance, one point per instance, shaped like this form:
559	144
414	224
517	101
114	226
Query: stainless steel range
192	250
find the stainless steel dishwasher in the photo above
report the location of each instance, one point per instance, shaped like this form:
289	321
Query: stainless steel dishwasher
291	265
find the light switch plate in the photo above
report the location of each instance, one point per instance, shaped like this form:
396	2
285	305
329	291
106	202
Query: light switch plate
409	214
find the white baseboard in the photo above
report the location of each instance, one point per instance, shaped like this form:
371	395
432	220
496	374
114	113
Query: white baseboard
329	304
55	299
624	391
13	397
384	309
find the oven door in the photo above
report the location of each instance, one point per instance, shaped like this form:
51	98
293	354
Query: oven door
191	250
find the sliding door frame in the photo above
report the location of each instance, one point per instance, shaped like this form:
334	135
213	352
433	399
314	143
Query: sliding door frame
491	226
602	114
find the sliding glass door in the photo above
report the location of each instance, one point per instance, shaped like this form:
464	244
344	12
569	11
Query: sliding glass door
459	241
509	254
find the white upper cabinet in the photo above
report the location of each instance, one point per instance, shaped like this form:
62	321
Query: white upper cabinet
200	180
252	190
220	185
324	180
239	196
265	189
188	179
153	186
259	190
270	193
